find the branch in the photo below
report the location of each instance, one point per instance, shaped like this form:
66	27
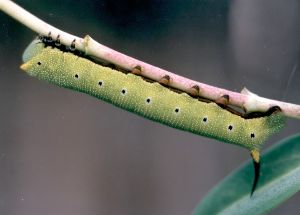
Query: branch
246	100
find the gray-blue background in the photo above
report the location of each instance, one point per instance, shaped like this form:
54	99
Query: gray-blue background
62	152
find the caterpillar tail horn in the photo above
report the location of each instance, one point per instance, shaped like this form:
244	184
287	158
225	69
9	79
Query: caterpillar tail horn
255	154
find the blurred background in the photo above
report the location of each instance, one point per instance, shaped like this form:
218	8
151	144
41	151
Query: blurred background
62	152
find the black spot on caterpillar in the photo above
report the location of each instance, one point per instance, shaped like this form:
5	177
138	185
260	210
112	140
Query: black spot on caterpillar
149	99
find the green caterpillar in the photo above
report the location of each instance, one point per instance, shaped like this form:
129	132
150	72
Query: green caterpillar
150	100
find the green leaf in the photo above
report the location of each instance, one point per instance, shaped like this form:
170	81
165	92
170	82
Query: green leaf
279	180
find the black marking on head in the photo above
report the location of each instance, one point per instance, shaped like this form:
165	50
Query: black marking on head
39	63
76	76
256	176
177	110
252	135
100	83
230	127
205	119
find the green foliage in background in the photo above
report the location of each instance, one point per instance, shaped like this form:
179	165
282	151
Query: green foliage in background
279	180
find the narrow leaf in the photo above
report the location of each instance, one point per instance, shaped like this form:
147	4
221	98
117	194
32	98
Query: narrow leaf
279	180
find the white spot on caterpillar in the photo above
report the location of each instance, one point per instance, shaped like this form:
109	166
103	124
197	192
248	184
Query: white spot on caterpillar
100	83
205	120
230	128
148	101
76	76
177	110
123	91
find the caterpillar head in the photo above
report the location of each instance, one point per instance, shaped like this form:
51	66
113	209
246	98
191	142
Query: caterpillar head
40	61
30	57
33	49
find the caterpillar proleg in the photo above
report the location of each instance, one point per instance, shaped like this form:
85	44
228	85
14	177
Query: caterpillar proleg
151	100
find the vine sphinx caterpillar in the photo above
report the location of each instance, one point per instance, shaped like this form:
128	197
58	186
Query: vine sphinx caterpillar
150	100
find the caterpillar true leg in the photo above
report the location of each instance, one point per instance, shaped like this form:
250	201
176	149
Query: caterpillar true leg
72	47
57	41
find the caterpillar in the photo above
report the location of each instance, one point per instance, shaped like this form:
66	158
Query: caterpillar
151	100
